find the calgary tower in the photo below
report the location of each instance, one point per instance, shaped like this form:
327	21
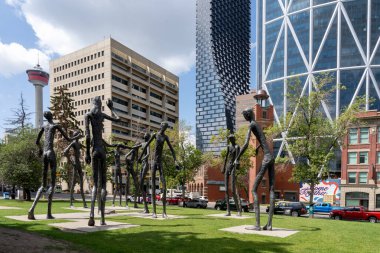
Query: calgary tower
39	79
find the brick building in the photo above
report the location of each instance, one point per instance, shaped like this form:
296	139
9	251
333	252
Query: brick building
360	183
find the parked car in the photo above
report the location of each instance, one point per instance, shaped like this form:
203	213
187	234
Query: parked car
222	205
196	203
324	207
294	209
355	213
204	198
173	201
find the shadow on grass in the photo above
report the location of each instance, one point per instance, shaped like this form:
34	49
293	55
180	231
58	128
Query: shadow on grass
159	240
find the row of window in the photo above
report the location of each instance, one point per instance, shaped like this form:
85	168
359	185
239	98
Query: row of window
359	135
87	90
79	72
360	177
363	157
85	101
141	69
82	81
79	61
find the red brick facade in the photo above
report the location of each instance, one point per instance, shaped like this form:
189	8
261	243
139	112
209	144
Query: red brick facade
360	184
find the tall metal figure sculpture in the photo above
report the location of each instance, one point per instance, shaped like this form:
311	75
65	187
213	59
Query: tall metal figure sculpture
49	159
77	168
130	160
230	168
144	160
267	164
95	118
118	176
161	138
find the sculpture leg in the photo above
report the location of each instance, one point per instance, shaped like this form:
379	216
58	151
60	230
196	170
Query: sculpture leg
53	165
72	188
126	187
227	194
271	175
80	173
235	193
256	206
91	221
119	187
39	192
163	181
154	215
137	187
142	177
103	185
114	190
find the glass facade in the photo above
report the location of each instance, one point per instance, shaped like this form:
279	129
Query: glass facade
306	37
222	66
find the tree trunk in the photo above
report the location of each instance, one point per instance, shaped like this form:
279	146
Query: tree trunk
183	193
312	186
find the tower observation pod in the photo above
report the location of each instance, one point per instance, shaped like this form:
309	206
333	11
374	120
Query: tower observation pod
39	79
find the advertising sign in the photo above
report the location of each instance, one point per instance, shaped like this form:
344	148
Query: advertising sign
325	187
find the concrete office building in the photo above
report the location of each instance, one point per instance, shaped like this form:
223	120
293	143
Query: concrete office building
222	66
143	93
307	37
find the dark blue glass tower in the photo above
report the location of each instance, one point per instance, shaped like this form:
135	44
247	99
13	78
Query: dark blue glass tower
222	66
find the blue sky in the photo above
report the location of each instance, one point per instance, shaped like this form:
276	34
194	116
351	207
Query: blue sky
50	29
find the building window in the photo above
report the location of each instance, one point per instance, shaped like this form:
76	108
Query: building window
363	177
352	158
378	157
377	200
363	157
353	136
378	135
364	135
378	177
351	177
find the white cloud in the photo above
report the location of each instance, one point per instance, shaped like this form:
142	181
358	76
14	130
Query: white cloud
15	59
161	30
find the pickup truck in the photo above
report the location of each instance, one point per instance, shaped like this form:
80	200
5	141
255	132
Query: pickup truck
355	213
324	207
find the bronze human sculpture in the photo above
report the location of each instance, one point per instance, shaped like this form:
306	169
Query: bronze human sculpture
144	160
160	138
95	118
130	160
49	160
267	164
229	169
76	146
117	172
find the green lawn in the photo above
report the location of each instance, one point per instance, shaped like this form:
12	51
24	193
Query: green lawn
199	233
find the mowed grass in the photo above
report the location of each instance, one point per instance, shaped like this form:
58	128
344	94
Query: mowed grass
199	233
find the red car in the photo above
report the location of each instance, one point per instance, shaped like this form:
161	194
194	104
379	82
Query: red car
355	213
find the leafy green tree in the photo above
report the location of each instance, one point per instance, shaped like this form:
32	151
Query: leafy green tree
311	136
19	161
189	158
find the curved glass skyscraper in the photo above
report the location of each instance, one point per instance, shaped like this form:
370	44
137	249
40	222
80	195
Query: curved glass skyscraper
222	66
305	37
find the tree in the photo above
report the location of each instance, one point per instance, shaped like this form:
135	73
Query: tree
312	138
245	160
19	161
21	116
189	158
63	111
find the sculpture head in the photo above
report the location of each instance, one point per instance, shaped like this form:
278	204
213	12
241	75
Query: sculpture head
164	126
97	102
147	136
48	115
231	138
248	114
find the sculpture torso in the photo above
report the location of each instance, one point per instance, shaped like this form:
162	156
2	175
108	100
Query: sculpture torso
160	141
96	118
258	132
49	129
